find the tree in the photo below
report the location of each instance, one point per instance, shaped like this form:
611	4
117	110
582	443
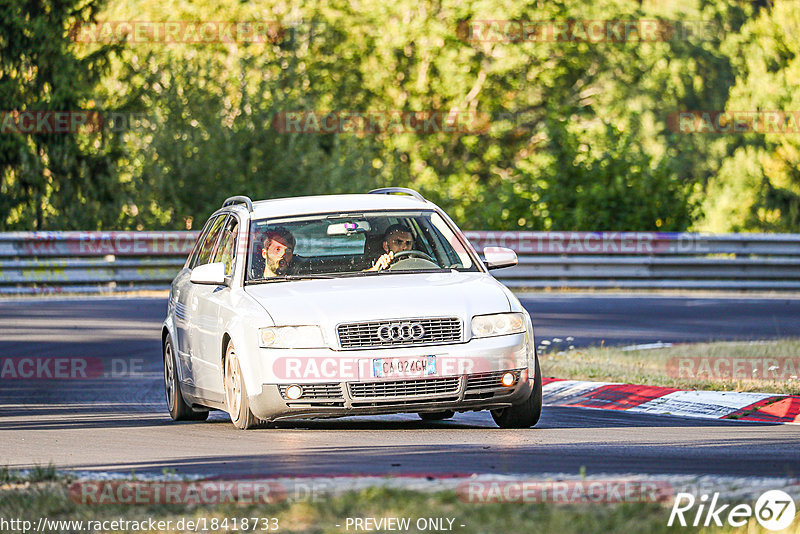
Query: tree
758	185
52	179
213	109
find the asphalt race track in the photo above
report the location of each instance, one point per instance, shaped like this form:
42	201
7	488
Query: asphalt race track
622	320
120	423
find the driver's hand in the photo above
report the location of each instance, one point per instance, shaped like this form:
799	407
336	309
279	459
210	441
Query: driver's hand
382	262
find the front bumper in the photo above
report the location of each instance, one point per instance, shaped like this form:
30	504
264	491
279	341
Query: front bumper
468	378
474	392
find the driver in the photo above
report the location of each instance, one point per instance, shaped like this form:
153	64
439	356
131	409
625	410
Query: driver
278	251
397	238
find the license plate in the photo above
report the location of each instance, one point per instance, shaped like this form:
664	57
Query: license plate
404	367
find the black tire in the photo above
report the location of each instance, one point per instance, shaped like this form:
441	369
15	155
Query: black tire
436	416
178	409
525	414
236	401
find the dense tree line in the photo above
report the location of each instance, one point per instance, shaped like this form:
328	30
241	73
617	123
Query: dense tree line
561	133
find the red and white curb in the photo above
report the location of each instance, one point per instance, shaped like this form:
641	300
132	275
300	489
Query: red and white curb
670	401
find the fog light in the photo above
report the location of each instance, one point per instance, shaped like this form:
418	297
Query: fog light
508	379
294	392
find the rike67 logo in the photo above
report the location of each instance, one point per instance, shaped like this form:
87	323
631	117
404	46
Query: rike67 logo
774	510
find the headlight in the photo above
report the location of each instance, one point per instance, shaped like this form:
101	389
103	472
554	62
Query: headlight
291	337
497	324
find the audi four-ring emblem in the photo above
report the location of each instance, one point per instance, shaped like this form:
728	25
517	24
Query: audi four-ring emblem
401	332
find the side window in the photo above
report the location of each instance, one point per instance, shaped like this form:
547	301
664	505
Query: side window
226	250
204	255
191	261
443	231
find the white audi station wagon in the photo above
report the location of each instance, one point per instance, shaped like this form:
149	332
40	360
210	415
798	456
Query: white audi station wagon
343	305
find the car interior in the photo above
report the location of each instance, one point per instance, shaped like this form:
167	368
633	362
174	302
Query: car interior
304	263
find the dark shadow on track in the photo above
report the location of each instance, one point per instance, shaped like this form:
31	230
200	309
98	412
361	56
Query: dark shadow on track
554	418
387	460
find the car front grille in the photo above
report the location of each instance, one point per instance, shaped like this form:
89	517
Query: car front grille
317	391
409	403
404	388
365	335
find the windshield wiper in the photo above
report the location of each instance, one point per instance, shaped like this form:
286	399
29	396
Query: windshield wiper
288	277
387	271
307	276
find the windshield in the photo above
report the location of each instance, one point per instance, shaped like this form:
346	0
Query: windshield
354	244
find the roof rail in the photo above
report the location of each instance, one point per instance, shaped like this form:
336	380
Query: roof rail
401	190
239	199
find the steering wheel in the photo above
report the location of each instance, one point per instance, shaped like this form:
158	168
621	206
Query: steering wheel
405	254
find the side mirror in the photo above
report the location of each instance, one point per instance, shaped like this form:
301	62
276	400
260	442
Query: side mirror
212	274
499	257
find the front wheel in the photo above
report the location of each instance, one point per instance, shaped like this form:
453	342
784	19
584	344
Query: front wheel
236	401
525	414
178	409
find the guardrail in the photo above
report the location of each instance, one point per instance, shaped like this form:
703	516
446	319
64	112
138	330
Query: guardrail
648	260
56	262
59	262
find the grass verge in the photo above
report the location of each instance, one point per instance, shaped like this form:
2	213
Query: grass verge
763	366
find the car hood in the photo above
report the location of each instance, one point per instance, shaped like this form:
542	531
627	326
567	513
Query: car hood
330	302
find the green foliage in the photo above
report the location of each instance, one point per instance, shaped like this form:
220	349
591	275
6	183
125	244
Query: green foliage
611	185
576	133
198	152
759	181
52	180
41	473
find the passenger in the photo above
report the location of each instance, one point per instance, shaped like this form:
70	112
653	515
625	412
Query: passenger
397	238
277	251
